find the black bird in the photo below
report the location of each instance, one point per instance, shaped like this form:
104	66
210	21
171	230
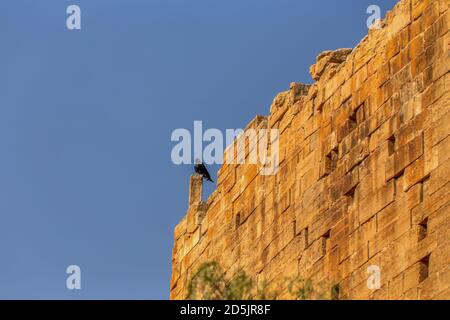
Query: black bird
201	170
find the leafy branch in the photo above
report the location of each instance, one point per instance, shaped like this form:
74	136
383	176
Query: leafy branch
211	283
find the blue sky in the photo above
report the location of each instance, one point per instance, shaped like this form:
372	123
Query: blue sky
86	116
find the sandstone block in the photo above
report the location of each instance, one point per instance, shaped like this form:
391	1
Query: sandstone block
370	204
403	157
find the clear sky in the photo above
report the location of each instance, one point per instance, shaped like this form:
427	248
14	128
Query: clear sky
86	116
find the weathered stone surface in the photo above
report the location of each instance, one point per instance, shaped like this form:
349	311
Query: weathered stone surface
328	59
404	156
364	173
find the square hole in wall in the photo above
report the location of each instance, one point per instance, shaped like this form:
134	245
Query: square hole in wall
306	238
391	144
423	229
332	158
238	220
326	242
351	193
424	266
335	292
353	118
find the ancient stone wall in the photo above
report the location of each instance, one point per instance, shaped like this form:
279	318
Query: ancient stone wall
363	179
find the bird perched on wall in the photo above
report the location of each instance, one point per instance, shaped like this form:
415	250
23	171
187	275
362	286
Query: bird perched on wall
201	170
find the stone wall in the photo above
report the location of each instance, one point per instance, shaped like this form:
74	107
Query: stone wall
363	179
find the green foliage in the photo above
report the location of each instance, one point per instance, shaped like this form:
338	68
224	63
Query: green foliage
240	287
211	283
301	288
304	289
265	292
